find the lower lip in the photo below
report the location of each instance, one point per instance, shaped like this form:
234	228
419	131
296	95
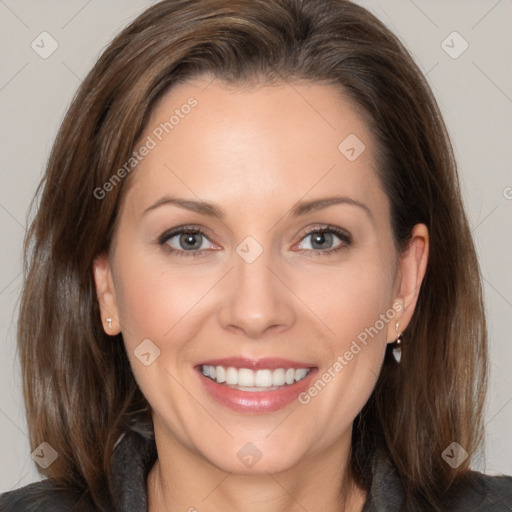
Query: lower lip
255	401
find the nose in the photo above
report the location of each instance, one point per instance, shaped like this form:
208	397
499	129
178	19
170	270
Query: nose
257	301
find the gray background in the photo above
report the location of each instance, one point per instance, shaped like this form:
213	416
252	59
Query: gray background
474	92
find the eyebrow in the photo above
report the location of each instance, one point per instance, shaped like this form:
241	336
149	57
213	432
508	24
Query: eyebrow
300	208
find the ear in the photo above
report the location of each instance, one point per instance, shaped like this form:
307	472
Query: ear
106	294
412	268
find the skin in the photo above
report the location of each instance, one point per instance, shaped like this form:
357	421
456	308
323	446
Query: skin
255	152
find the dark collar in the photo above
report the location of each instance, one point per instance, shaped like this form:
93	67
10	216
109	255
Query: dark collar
387	493
135	454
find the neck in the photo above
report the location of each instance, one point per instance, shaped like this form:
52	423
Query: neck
182	480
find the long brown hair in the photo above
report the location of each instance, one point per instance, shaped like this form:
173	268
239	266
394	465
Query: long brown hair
80	393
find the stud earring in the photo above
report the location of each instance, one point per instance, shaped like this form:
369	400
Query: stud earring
109	321
397	349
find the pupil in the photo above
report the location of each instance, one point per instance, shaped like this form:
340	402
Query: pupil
190	240
320	239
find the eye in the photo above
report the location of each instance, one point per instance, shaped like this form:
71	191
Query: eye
324	240
192	241
185	241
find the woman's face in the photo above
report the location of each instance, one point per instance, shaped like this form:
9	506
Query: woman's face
289	255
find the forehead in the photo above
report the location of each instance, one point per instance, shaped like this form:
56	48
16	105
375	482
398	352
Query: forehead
243	146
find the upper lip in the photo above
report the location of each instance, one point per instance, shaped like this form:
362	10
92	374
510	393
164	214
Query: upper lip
270	363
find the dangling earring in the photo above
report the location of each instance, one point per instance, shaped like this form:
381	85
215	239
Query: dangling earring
397	349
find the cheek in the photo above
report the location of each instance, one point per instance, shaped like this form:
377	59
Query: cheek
365	296
153	297
356	306
350	298
163	304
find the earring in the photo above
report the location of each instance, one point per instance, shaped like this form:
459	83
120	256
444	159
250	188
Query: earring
397	349
109	321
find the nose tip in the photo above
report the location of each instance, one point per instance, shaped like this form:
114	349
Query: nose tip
255	326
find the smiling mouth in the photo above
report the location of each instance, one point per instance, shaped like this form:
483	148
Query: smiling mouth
246	379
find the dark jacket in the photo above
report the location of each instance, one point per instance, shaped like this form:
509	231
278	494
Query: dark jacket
135	454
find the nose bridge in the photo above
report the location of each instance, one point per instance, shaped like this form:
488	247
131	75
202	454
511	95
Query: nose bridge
257	299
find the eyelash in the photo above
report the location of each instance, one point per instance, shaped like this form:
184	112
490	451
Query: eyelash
344	236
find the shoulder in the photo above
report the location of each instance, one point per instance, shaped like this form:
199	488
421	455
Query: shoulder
46	496
133	457
481	493
471	492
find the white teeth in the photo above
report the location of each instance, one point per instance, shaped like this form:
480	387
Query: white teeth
289	376
263	378
232	376
246	377
221	374
259	380
278	377
299	374
255	389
